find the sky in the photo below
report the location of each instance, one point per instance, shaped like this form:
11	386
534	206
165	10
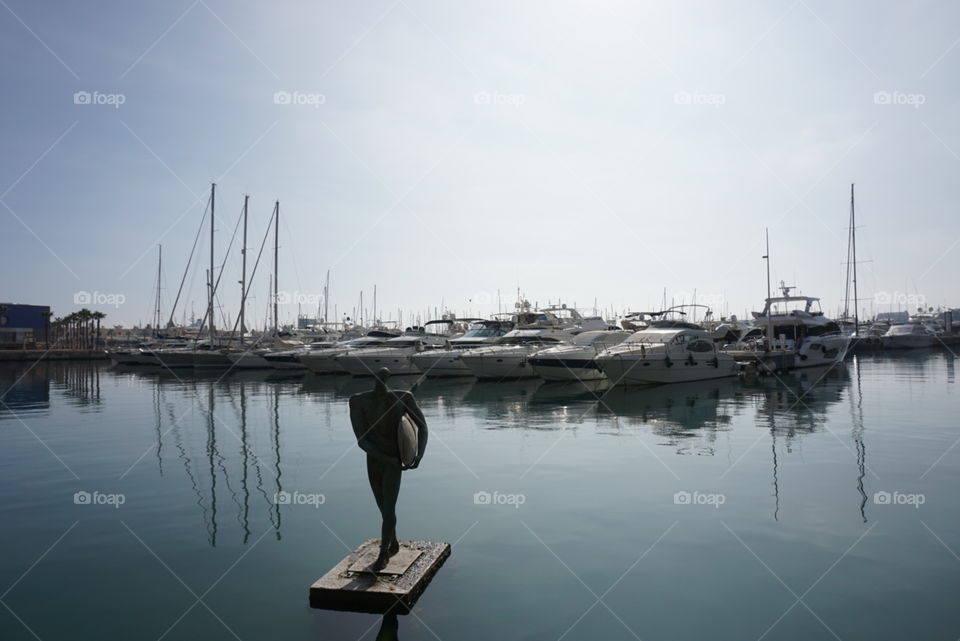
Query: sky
607	154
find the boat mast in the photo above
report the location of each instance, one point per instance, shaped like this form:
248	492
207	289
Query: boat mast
326	298
213	190
766	257
853	244
243	281
276	249
156	322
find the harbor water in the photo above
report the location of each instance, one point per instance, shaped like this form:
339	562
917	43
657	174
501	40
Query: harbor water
820	504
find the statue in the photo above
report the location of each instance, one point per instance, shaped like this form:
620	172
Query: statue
377	418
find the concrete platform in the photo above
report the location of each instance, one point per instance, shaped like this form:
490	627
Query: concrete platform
350	586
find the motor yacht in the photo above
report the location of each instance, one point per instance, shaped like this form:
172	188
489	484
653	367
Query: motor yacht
911	335
575	361
791	332
290	358
508	358
667	351
324	361
395	353
445	361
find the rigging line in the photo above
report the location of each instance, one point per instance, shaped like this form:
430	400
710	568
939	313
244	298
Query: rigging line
296	267
253	273
187	269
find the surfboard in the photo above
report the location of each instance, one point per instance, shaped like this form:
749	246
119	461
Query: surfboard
407	440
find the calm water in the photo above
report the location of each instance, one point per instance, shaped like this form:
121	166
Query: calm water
725	510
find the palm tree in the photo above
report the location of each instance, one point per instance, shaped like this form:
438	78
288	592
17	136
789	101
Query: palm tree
97	316
83	319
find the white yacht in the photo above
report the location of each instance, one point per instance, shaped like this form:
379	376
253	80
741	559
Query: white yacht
445	361
667	351
508	359
791	332
576	361
395	353
915	335
290	359
324	361
535	330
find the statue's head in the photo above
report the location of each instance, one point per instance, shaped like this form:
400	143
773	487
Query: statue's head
381	376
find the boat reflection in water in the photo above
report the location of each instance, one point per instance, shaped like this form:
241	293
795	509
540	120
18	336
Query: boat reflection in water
681	413
231	456
230	453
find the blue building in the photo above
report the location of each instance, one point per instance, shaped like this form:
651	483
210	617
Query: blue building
21	323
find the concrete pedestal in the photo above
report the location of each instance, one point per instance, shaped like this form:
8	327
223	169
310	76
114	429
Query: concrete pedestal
351	586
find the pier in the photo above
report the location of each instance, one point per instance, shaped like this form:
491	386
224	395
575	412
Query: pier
30	355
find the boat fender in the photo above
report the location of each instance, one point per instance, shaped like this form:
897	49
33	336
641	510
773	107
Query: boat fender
667	361
690	360
803	357
714	362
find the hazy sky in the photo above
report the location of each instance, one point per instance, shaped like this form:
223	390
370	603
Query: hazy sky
445	150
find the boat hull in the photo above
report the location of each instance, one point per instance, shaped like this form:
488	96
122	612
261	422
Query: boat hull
248	360
908	341
284	361
637	369
499	366
369	364
210	359
440	364
174	359
325	364
567	369
135	357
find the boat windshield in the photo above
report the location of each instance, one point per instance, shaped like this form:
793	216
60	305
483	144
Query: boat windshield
484	332
529	340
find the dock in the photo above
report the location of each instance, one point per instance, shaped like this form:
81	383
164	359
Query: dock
352	587
776	360
33	355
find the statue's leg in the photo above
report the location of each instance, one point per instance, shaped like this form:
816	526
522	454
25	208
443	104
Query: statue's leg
391	492
389	476
375	476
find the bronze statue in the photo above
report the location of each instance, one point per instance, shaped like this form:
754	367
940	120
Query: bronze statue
376	418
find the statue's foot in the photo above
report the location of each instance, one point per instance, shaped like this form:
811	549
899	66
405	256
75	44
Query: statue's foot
394	547
382	559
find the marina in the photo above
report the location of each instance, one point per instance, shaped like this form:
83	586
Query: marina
249	469
540	321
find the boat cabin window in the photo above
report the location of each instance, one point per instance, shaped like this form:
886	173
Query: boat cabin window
700	345
410	343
